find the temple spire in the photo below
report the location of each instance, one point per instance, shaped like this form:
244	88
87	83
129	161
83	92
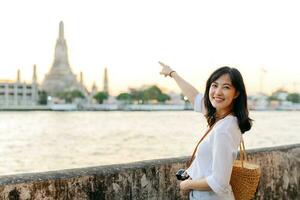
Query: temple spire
34	77
94	89
105	81
60	76
61	50
18	76
61	30
81	78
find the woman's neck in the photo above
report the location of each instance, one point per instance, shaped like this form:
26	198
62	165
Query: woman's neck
223	113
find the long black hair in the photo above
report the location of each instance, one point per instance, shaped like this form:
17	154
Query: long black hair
240	108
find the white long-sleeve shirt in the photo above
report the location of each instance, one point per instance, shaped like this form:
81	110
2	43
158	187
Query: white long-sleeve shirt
216	153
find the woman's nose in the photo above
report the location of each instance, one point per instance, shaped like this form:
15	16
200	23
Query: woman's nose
218	90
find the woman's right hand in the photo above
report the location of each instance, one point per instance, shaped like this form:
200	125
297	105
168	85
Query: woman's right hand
185	187
165	69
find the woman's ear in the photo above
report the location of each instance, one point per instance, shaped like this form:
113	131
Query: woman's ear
236	95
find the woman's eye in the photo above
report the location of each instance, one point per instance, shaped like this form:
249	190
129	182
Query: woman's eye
213	85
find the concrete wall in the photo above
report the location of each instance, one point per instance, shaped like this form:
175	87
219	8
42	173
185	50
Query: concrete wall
153	179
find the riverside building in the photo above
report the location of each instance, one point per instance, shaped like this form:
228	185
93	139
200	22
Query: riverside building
16	93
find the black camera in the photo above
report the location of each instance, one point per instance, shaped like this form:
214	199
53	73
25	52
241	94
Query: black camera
182	175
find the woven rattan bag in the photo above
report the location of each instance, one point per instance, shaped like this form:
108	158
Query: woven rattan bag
244	177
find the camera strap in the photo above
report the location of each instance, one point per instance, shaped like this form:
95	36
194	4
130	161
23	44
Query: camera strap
189	163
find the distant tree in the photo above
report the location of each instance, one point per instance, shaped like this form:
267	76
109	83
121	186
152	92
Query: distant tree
277	94
42	100
101	96
77	94
69	96
152	93
144	95
137	95
273	98
280	90
126	97
163	97
293	97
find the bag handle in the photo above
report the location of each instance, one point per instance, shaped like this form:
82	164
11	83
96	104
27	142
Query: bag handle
243	155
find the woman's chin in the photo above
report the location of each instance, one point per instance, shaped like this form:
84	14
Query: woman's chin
217	106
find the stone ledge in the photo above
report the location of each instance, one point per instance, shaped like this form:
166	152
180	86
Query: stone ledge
150	179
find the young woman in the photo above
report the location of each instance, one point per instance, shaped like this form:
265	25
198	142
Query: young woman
224	105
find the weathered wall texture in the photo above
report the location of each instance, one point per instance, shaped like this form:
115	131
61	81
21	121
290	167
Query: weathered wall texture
149	179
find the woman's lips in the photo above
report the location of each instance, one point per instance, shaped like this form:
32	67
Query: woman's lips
218	99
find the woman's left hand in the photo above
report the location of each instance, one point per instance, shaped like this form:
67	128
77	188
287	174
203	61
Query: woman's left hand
185	187
165	69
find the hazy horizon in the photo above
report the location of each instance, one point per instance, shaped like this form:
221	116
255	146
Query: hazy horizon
129	38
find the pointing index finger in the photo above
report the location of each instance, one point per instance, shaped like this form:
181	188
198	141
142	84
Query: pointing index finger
162	64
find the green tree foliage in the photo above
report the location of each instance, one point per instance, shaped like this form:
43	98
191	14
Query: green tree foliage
77	94
101	96
42	97
273	98
126	97
66	96
69	96
152	92
163	97
293	97
275	95
147	94
137	95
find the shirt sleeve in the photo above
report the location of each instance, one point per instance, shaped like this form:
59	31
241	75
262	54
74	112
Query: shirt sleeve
225	146
199	103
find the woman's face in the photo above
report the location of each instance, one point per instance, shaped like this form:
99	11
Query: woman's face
221	94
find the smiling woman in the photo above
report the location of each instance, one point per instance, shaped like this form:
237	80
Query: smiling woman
224	104
225	92
222	94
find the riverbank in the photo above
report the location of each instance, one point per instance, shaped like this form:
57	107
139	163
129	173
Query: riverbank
153	179
120	107
99	107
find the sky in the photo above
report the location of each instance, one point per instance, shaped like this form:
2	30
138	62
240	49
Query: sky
260	38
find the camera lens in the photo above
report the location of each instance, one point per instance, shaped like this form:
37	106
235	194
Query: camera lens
180	175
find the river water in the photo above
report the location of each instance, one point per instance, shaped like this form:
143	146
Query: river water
38	141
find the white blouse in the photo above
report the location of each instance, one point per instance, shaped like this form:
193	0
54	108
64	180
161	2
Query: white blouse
216	153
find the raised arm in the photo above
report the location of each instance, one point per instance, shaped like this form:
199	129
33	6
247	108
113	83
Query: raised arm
186	88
